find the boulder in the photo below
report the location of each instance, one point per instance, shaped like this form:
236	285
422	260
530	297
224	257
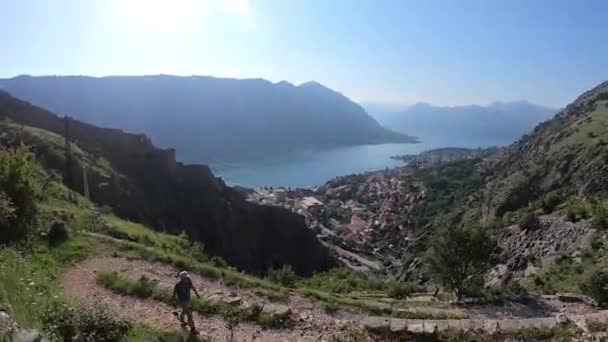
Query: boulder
376	325
29	335
233	301
6	323
277	310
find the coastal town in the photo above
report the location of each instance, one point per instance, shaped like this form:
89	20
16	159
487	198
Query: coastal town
365	217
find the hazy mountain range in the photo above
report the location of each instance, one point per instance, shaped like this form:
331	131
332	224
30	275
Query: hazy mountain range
499	123
210	119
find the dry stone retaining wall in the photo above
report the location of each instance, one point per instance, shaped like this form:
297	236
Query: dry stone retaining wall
384	325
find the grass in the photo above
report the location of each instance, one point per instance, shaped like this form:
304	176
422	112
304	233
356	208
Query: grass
146	288
143	288
147	334
567	275
206	269
27	278
53	144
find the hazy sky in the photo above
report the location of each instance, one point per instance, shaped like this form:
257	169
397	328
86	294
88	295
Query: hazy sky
443	52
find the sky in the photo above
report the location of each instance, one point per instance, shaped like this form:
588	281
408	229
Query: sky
448	52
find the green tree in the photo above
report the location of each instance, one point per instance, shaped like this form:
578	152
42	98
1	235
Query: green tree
596	286
459	257
20	186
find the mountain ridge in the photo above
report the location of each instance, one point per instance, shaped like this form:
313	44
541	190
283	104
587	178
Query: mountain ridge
498	123
210	119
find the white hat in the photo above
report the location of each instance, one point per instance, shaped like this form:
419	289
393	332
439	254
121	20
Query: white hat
184	274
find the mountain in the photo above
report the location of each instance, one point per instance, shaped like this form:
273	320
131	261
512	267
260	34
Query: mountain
565	156
498	123
210	119
143	183
543	198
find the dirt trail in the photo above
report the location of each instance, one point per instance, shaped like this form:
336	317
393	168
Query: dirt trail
79	283
312	323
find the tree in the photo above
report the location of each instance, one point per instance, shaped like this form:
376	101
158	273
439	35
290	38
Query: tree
20	188
460	256
596	286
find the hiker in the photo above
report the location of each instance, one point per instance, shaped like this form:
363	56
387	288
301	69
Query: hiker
181	296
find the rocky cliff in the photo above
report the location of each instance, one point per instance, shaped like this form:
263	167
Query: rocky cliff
148	185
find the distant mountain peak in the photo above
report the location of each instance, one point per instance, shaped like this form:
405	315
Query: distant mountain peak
211	119
285	84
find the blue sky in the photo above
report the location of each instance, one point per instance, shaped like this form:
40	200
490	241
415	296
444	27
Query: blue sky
388	51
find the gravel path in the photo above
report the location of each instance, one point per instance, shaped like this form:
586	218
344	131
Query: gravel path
312	323
79	283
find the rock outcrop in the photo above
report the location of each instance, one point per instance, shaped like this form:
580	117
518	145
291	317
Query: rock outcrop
11	331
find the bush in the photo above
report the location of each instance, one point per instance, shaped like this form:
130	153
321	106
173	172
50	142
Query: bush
529	221
7	211
549	203
576	210
20	188
144	287
330	308
595	286
284	276
77	323
219	262
599	220
400	290
459	257
342	280
57	234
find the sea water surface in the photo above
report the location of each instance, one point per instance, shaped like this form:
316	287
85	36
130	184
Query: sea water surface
310	168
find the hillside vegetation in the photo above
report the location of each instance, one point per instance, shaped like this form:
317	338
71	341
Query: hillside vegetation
495	240
145	184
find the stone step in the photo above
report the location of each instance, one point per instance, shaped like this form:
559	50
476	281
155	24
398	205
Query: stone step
383	325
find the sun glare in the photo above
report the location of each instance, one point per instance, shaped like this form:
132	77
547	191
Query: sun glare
171	15
158	15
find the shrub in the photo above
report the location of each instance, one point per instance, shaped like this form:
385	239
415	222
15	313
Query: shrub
57	234
219	262
7	211
342	280
270	321
549	203
595	286
331	308
205	306
460	256
529	221
600	217
232	318
399	290
87	324
284	276
576	210
144	287
20	185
